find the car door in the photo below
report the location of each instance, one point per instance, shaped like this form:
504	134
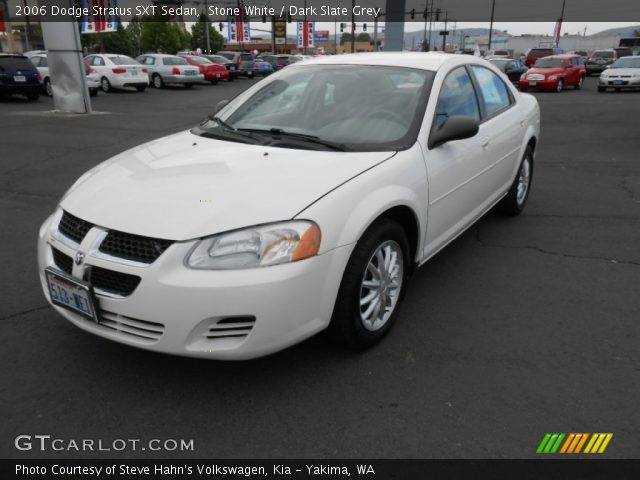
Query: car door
453	166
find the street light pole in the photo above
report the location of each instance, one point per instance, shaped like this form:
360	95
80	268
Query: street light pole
206	28
493	9
353	26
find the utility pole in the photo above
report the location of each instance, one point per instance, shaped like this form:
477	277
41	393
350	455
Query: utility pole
206	28
424	36
353	26
444	37
493	9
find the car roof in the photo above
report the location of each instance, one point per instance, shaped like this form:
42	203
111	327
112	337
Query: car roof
419	60
13	55
564	56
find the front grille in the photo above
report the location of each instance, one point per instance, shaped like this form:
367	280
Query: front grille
134	328
535	76
133	247
231	327
62	261
111	281
73	227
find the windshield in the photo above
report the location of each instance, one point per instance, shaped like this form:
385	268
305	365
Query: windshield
362	108
123	60
549	63
603	54
627	62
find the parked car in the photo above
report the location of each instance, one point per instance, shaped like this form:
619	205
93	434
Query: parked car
117	71
583	53
278	62
623	52
242	60
212	71
513	69
532	56
555	73
231	67
18	76
599	60
41	62
624	73
165	69
262	67
314	216
497	54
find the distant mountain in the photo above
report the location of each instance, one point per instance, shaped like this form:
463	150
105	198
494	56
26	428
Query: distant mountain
622	31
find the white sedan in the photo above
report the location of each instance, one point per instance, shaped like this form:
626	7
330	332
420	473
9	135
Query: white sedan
117	71
301	205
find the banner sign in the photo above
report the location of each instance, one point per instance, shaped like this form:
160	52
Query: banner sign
238	29
305	34
91	23
322	36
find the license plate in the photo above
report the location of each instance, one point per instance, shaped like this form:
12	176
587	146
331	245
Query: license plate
218	75
19	78
618	82
190	72
232	69
533	84
70	293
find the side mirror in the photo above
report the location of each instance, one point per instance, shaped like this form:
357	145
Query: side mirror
220	105
454	128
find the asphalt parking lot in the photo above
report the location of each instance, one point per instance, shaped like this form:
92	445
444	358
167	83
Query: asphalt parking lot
520	327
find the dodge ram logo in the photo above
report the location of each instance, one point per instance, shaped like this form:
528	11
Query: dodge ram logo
79	258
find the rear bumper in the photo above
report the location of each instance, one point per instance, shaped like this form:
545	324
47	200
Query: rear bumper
213	76
183	78
25	89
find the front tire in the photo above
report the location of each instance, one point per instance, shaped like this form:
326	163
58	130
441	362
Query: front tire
93	92
514	202
578	85
372	286
560	86
141	89
601	89
188	85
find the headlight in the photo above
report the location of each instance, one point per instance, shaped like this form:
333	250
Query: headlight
553	77
259	246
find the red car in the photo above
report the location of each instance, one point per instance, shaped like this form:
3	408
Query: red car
555	73
212	71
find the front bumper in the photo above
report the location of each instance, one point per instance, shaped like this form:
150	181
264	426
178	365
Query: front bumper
627	82
538	84
178	310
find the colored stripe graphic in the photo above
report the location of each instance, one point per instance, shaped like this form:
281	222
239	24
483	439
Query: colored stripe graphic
551	443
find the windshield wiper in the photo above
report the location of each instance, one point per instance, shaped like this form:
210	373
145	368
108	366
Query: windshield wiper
278	132
222	123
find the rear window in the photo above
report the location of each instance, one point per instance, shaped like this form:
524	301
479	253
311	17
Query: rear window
122	60
603	54
501	52
200	60
246	57
227	55
16	63
540	52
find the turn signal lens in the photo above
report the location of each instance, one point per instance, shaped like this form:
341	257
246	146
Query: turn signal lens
309	244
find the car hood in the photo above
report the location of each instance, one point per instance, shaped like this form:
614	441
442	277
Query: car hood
546	71
185	186
621	71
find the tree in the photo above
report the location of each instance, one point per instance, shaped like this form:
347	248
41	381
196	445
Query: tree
159	35
135	34
199	37
345	38
118	42
363	37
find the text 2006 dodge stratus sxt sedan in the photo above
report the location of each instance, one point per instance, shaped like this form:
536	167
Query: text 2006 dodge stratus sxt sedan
303	204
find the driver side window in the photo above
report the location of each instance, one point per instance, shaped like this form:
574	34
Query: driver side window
457	97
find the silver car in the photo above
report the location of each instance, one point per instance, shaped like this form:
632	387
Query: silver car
621	74
170	69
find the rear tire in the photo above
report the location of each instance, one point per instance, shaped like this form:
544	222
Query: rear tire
105	84
47	87
157	81
93	92
560	86
214	82
32	97
372	286
514	202
188	85
602	89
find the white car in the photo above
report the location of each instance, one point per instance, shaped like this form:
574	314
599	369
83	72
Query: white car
117	71
283	215
624	73
41	63
170	69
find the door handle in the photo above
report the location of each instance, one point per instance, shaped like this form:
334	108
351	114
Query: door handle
485	142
